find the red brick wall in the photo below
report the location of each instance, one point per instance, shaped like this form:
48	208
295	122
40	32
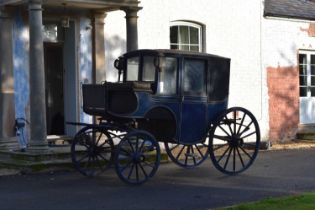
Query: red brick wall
283	91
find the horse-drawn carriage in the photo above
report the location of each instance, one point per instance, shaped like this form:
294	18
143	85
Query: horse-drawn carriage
174	97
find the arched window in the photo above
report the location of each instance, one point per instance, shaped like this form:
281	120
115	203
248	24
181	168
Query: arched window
186	36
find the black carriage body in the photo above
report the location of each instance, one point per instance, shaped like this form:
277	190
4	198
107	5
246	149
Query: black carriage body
174	95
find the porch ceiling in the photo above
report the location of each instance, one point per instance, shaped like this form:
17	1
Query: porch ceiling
87	4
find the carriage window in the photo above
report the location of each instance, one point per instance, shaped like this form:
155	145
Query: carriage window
148	73
194	77
132	69
167	77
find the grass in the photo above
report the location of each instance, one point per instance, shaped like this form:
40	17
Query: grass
298	202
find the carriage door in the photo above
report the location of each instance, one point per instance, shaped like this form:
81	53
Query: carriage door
307	87
194	101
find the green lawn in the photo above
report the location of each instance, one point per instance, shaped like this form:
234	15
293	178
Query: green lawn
299	202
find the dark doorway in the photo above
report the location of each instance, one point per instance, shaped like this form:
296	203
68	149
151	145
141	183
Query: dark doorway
54	88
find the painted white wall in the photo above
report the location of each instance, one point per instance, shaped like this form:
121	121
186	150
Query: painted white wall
232	30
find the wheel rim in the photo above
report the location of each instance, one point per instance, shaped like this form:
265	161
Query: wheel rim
137	157
92	151
187	156
234	141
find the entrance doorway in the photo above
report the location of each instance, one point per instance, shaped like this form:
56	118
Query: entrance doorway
54	88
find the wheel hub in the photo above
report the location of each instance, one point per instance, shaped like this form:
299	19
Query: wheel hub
236	141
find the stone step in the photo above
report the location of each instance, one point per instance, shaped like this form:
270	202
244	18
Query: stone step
306	132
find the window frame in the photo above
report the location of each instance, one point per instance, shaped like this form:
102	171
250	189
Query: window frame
308	75
189	24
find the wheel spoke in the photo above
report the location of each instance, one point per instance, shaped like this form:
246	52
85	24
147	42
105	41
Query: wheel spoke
180	152
219	147
186	156
177	145
82	158
233	158
131	145
143	170
202	156
141	146
239	155
234	115
224	130
223	154
243	137
126	166
246	128
227	123
250	157
131	170
228	158
137	173
98	140
241	124
193	154
223	138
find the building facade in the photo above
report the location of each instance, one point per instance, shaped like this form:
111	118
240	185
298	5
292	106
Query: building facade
48	49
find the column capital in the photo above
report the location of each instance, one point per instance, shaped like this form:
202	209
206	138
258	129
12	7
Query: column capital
99	16
131	12
35	5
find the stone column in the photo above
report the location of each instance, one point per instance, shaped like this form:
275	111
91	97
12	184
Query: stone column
132	28
7	111
99	74
38	138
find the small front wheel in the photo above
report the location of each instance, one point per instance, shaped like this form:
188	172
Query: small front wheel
92	151
137	157
234	141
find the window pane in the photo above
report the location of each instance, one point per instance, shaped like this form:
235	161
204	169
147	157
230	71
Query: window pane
174	34
148	73
312	59
194	77
194	35
303	91
313	80
312	69
194	48
133	69
302	59
312	91
184	47
303	80
183	35
303	70
167	77
173	46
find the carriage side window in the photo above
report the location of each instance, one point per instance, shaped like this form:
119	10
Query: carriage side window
194	77
148	73
167	77
133	69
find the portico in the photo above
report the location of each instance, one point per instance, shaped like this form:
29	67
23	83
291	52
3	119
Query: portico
82	45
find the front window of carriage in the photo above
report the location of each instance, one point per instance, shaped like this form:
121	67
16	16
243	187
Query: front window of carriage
133	69
148	69
167	76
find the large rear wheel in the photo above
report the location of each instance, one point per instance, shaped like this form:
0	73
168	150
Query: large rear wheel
234	141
